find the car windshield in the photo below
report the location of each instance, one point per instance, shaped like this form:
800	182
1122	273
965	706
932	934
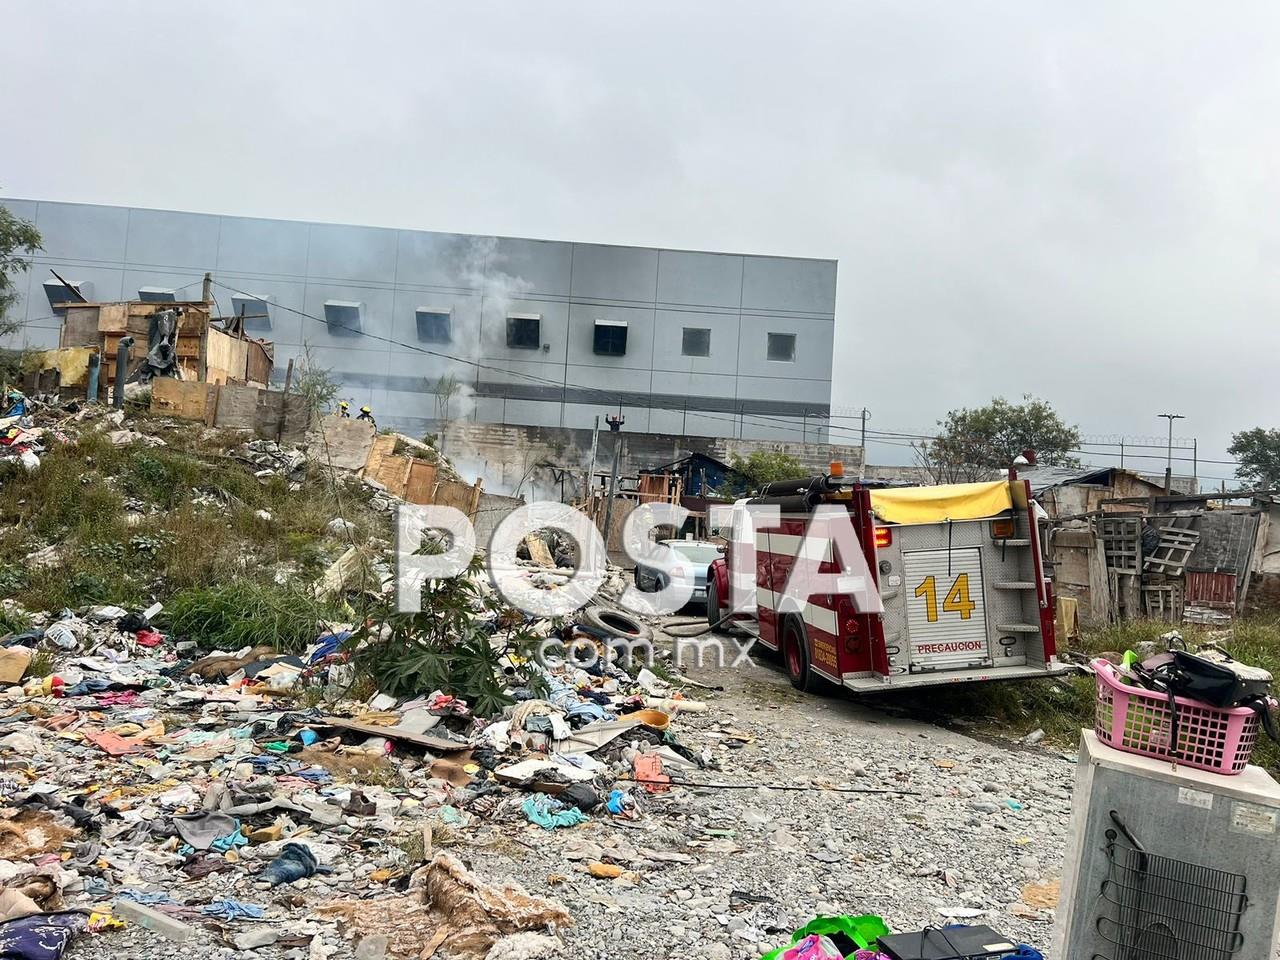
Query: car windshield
697	552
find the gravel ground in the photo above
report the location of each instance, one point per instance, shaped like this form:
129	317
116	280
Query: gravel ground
910	859
752	864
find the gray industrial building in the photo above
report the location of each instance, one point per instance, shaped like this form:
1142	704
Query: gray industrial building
536	332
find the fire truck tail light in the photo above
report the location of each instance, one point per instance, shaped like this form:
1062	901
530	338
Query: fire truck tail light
849	625
1002	529
837	468
884	537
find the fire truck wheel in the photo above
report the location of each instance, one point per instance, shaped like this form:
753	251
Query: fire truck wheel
795	654
615	622
714	613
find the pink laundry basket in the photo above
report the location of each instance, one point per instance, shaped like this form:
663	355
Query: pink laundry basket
1138	720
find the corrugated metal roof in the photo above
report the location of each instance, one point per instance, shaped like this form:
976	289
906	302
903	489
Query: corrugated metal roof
1046	478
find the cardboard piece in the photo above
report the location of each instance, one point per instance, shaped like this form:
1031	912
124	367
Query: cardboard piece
438	744
13	664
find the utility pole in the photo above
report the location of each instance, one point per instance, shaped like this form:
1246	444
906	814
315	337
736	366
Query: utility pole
862	471
1168	470
615	427
206	292
591	472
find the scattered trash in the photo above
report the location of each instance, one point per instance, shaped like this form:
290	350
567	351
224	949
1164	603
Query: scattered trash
295	862
549	813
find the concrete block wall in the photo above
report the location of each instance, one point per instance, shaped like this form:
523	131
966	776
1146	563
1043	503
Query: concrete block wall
524	461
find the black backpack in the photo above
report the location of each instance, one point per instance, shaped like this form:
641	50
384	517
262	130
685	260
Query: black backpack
1211	676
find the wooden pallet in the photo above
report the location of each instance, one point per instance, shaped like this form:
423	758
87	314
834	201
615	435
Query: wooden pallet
1122	542
1163	601
1177	543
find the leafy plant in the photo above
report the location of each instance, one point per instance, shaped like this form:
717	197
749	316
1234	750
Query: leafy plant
314	383
246	613
12	578
454	644
19	239
13	621
971	444
768	466
1258	451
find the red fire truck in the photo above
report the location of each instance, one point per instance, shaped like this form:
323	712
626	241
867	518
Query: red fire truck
957	568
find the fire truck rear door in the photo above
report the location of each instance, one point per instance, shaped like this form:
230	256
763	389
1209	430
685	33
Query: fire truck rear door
946	609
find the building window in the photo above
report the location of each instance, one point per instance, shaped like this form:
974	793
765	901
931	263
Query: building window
74	291
343	317
254	311
434	326
611	338
696	342
782	346
524	331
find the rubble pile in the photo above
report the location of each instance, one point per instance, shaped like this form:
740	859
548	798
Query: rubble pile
158	794
213	795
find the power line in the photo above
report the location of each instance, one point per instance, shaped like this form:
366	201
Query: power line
604	395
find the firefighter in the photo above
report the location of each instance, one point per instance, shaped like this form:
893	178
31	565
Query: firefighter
367	414
344	409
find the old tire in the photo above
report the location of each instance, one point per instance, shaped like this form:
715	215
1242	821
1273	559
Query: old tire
714	613
614	622
795	655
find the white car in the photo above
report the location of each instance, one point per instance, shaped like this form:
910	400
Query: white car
693	561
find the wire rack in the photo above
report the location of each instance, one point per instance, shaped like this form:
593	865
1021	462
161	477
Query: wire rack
1159	908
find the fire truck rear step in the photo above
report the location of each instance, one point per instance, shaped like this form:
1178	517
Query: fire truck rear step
1014	542
875	684
1018	627
1016	585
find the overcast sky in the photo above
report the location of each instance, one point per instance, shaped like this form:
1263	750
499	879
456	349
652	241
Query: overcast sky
1077	200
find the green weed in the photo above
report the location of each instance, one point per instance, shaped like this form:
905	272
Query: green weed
246	613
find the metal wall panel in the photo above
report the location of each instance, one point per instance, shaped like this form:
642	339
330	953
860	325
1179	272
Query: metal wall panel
699	279
614	273
481	279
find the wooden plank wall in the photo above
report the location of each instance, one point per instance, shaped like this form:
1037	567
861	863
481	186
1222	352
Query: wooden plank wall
259	362
463	496
204	352
186	400
80	328
232	406
421	485
226	358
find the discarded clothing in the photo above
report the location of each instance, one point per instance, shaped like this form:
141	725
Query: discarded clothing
587	712
580	795
815	947
230	842
132	623
295	862
202	830
232	910
148	898
549	813
329	645
42	937
195	869
149	638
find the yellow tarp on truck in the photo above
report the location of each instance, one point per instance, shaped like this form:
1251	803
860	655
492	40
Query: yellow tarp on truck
955	501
